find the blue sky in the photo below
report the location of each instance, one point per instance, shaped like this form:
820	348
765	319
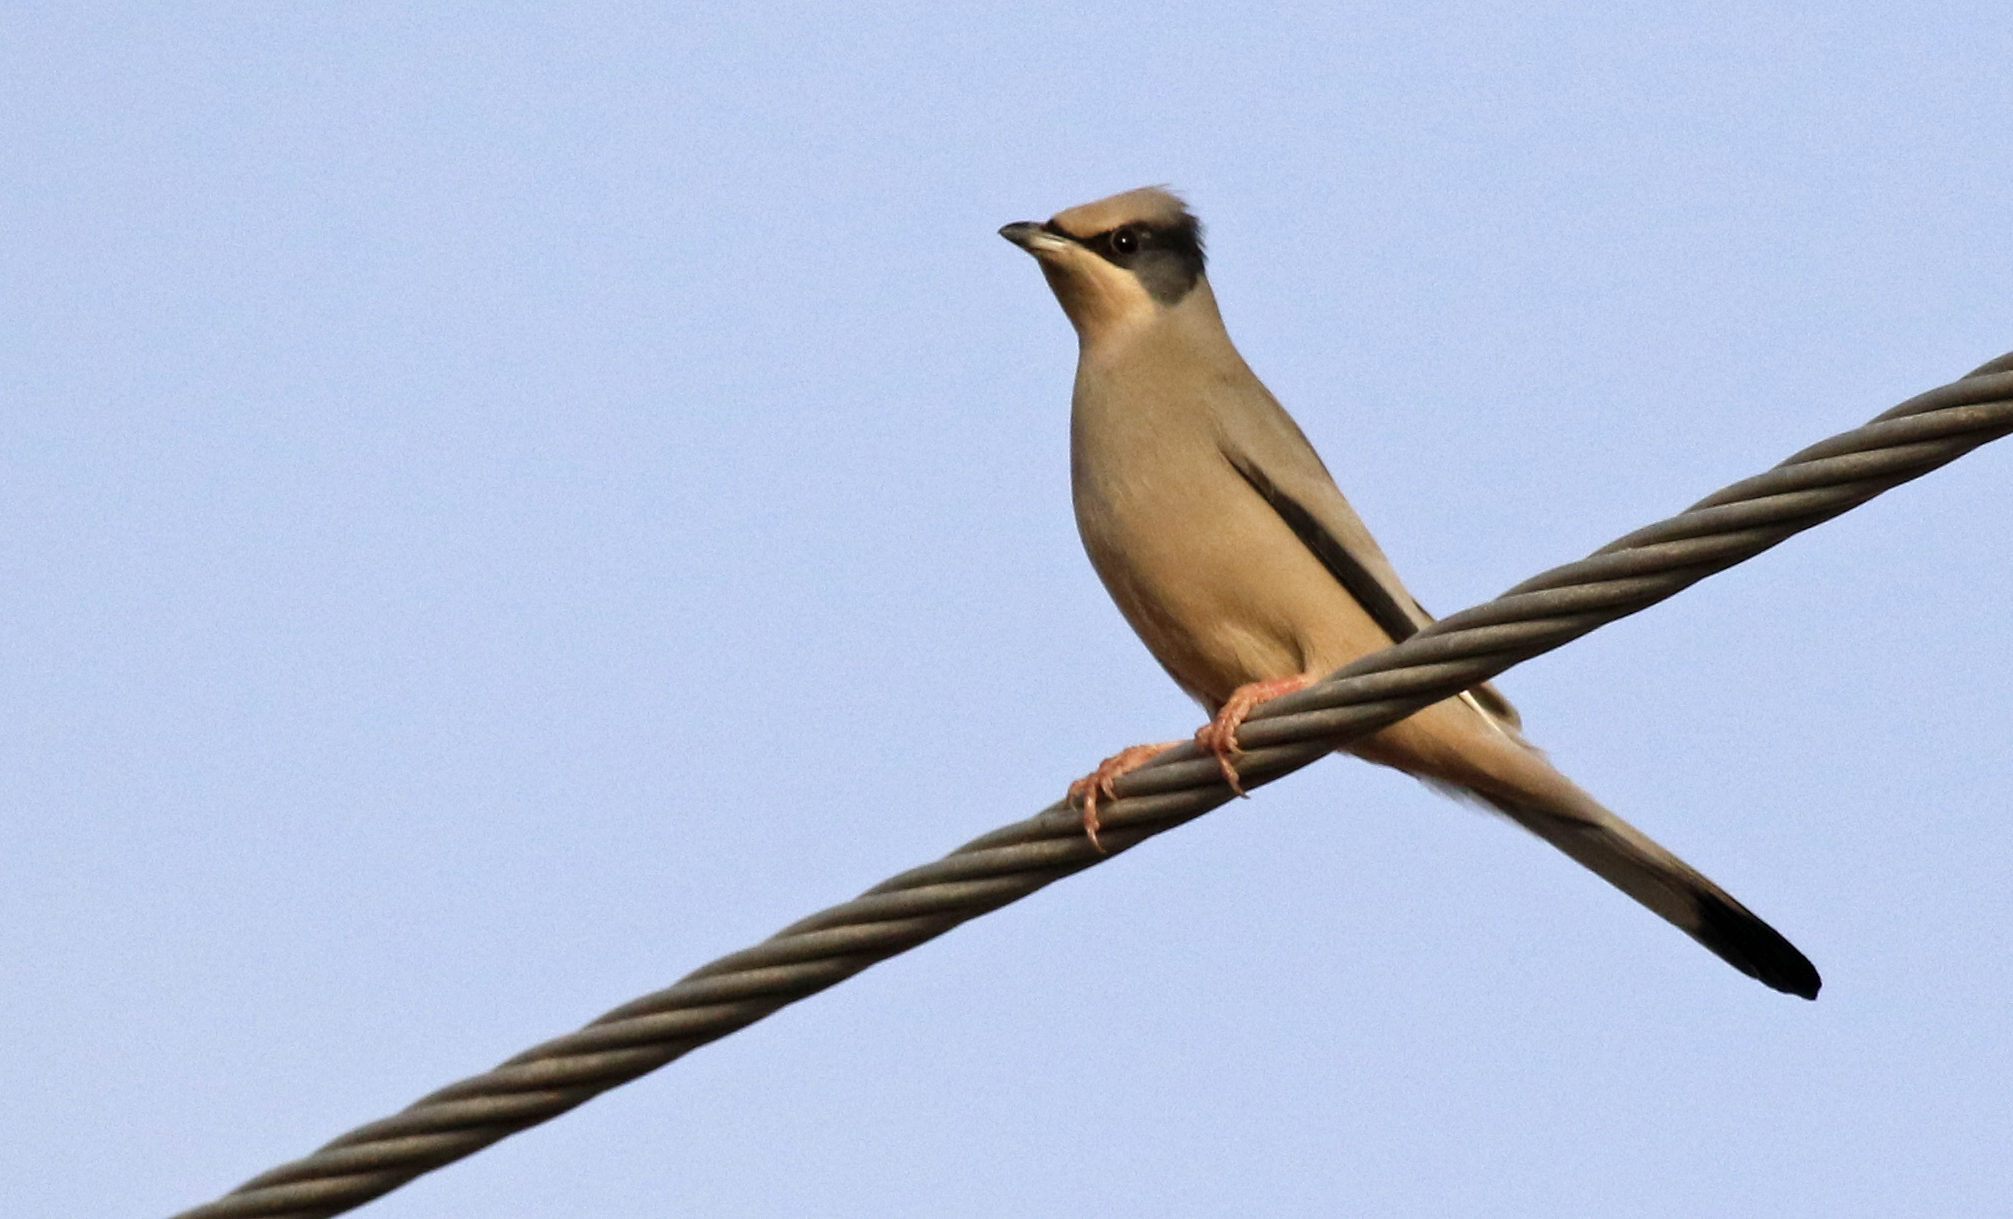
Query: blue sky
502	504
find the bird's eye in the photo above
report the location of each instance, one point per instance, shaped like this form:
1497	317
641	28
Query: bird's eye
1125	241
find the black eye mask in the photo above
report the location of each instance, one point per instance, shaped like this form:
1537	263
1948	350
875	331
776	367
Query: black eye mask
1167	259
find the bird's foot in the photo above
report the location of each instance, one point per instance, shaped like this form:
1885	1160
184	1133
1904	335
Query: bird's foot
1087	791
1219	735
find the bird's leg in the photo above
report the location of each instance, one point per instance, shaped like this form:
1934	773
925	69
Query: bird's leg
1219	735
1085	792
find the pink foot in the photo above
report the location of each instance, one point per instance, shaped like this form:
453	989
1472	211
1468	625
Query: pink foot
1219	736
1086	792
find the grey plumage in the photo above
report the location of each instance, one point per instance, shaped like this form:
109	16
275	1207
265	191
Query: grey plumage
1233	555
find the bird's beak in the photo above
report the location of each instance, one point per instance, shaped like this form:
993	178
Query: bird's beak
1032	237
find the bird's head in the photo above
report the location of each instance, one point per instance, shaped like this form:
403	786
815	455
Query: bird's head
1118	261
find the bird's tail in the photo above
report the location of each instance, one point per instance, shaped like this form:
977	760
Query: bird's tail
1459	747
1633	862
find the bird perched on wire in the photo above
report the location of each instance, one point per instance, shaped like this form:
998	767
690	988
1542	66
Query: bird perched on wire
1227	546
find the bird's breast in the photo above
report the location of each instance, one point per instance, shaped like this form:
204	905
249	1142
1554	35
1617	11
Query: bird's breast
1214	582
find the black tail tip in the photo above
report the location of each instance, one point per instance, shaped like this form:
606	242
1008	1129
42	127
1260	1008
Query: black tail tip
1755	948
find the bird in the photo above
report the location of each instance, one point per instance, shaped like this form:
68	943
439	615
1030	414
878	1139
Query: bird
1228	548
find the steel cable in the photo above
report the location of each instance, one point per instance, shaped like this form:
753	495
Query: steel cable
1454	654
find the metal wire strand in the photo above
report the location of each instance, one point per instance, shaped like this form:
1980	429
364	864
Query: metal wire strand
1006	865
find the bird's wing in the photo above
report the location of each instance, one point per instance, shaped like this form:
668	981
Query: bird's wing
1271	453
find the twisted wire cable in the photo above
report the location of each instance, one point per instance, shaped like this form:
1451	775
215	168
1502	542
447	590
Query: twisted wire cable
1008	864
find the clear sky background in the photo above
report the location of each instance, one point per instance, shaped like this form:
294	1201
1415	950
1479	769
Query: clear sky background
501	504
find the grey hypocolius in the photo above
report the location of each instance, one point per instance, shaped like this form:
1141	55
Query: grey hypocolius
1228	548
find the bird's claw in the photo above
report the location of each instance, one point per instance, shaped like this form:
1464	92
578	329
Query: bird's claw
1219	735
1087	791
